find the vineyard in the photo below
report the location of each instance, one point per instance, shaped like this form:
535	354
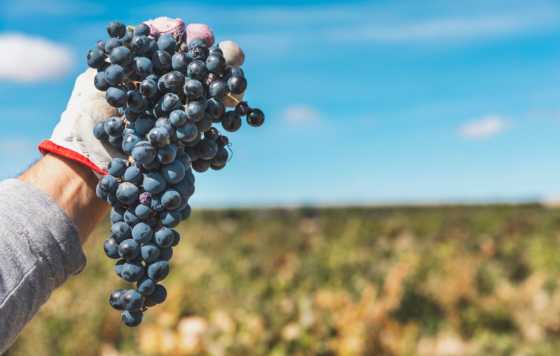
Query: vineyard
480	280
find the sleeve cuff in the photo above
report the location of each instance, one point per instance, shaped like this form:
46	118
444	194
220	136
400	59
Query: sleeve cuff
48	146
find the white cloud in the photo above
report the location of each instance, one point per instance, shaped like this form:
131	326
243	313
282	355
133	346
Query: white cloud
484	127
301	115
29	59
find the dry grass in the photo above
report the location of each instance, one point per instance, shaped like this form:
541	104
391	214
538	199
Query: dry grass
400	281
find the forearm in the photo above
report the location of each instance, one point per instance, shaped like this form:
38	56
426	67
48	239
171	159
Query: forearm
39	248
72	187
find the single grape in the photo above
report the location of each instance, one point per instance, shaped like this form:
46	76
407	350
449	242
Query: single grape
165	254
116	97
154	183
121	231
166	42
111	248
197	70
255	118
231	121
178	118
144	152
207	149
116	29
131	116
170	102
157	297
158	270
187	133
130	218
195	109
171	200
112	43
150	252
172	82
180	61
143	67
132	271
114	74
158	137
167	154
162	61
201	165
242	108
120	55
193	89
115	141
215	108
100	82
116	299
133	300
186	212
117	215
143	211
217	89
99	131
142	233
220	160
237	85
142	30
132	318
96	58
117	167
146	286
143	125
173	172
216	64
148	88
129	142
133	174
186	185
109	184
170	218
129	249
176	239
164	237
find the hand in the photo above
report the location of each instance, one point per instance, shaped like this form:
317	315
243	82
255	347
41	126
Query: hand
73	136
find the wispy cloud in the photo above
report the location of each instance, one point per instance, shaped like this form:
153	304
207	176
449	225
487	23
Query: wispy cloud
441	29
28	59
484	127
301	115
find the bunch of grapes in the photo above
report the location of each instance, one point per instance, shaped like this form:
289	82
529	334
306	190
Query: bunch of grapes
169	94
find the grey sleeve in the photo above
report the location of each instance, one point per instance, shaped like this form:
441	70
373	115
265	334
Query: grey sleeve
39	250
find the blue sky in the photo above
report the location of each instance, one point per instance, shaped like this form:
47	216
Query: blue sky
367	102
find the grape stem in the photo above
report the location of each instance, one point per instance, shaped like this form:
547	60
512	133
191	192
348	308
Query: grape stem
237	101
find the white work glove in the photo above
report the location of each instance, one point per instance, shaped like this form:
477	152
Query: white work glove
73	137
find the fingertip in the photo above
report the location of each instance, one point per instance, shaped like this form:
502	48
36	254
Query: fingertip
200	31
233	54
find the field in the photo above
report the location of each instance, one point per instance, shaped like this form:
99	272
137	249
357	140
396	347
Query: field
480	280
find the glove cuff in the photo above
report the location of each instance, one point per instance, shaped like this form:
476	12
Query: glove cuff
48	146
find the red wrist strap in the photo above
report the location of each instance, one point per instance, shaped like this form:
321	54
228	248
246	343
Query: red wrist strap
48	146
